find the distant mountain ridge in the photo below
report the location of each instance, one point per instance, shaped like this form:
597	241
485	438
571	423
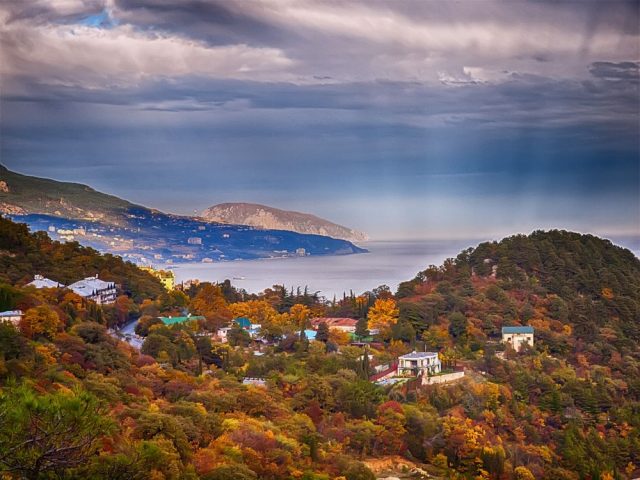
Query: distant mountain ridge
263	216
76	212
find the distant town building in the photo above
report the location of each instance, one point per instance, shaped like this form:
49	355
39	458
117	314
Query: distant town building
517	336
301	252
166	277
345	324
416	363
41	282
174	320
11	316
194	241
207	260
225	235
95	289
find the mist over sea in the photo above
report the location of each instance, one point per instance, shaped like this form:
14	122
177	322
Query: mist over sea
387	263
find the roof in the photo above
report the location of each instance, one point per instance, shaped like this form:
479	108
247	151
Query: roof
174	320
260	382
517	329
41	282
243	322
310	334
334	322
418	355
11	313
90	285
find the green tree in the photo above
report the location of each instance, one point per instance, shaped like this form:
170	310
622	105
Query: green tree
458	325
322	335
154	344
230	472
362	328
48	433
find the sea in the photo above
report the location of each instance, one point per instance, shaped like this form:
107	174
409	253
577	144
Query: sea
387	263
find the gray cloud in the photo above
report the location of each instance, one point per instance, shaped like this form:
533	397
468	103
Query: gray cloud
420	102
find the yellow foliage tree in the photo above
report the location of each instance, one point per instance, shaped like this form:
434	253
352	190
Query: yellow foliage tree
40	321
339	337
383	315
258	311
523	473
300	315
210	302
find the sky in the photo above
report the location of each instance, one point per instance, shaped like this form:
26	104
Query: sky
404	119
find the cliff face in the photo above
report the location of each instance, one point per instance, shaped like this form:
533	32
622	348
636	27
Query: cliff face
262	216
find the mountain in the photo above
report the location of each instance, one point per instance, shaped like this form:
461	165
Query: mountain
70	211
24	194
262	216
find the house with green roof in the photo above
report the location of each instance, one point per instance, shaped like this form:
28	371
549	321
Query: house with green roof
175	320
516	336
243	322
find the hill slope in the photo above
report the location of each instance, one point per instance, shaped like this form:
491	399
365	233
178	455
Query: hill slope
263	216
24	254
550	280
70	211
24	194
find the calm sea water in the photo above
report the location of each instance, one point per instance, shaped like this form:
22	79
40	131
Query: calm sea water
387	263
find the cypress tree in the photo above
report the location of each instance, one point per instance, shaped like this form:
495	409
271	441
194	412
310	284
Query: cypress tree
322	335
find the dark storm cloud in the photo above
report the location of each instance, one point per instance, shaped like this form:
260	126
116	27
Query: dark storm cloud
629	71
485	111
214	22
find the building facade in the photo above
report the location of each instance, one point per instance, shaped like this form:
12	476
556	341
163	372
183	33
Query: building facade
92	288
419	363
166	277
517	337
11	316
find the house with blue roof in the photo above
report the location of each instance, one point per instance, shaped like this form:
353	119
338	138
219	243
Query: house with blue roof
243	322
252	328
517	336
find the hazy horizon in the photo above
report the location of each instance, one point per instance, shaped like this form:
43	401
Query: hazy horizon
401	119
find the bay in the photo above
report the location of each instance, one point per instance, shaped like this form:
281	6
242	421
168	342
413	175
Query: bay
387	263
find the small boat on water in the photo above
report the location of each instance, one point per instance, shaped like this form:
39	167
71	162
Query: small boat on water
239	278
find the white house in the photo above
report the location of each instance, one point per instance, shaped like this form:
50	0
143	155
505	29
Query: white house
41	282
95	289
13	316
416	363
517	336
222	334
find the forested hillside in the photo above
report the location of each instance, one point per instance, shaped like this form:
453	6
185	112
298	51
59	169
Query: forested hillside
75	402
24	254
